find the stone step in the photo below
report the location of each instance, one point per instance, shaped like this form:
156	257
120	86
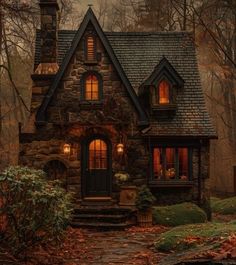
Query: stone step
103	210
100	217
102	225
106	217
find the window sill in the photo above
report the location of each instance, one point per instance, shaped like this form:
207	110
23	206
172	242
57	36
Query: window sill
171	183
164	107
88	62
87	105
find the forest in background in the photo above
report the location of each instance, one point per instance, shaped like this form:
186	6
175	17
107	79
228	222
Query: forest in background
213	23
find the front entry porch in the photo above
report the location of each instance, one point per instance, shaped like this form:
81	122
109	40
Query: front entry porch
104	217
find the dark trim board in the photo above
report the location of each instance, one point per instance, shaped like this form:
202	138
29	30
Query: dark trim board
90	18
171	183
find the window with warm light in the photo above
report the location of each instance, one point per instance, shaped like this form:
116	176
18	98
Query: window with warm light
97	154
164	92
91	88
171	163
90	48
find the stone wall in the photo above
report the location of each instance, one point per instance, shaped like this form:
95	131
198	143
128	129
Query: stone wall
70	119
49	33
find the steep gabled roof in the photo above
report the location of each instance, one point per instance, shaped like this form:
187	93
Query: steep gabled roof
91	18
139	53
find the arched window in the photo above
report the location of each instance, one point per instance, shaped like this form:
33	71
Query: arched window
90	48
164	92
97	154
91	87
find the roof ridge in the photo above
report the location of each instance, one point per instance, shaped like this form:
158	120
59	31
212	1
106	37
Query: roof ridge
147	32
133	32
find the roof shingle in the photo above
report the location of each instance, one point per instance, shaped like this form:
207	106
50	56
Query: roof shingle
138	54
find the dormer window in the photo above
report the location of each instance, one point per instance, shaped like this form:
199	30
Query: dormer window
90	48
159	92
163	92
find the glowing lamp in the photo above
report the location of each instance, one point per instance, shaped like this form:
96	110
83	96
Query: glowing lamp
66	149
120	148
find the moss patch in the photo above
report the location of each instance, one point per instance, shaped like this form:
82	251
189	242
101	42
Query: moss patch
188	236
178	214
225	206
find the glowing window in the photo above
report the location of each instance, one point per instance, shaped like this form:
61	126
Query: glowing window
97	154
164	92
157	163
90	48
183	163
171	163
91	88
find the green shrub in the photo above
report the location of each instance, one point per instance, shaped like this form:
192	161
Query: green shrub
175	239
145	199
225	206
37	210
178	214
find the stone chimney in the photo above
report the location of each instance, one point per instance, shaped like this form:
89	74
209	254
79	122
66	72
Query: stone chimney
48	37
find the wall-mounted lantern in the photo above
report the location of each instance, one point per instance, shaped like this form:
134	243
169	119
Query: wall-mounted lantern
66	149
120	148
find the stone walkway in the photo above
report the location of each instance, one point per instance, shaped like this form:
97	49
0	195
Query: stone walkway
118	247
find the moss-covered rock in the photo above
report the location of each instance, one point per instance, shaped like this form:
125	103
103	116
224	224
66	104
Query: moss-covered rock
225	206
187	236
178	214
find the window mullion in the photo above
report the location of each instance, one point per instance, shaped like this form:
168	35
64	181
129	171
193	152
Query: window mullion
176	163
190	167
164	163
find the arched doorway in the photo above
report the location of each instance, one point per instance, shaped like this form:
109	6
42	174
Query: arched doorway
56	170
97	168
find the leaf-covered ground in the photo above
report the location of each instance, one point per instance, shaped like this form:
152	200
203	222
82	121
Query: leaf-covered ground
85	247
211	241
135	246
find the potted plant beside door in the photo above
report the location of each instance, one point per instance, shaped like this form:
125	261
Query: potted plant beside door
144	203
128	191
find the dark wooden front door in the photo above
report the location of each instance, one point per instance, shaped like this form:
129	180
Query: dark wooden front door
97	168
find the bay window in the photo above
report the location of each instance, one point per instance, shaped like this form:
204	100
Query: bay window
171	163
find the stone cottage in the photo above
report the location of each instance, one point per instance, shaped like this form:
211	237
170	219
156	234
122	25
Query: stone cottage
110	102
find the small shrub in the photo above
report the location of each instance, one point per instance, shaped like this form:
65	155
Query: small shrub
145	199
37	210
178	214
225	206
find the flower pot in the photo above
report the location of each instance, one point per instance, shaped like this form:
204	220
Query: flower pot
145	218
128	195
